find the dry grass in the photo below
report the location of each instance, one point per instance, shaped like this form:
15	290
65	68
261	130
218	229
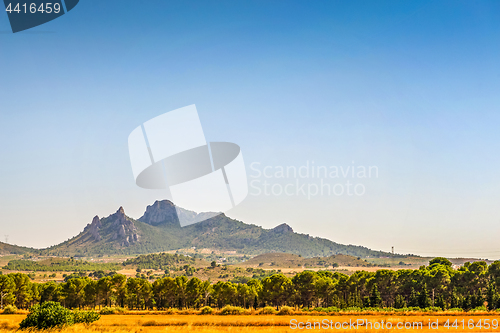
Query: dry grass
241	324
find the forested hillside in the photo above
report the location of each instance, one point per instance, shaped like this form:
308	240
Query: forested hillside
160	261
58	265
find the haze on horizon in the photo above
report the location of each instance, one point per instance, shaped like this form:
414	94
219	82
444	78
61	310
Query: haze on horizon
411	88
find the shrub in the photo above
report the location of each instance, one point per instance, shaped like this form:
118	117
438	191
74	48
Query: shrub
267	310
85	317
48	315
455	310
285	311
433	309
10	309
350	309
172	311
107	310
206	310
329	309
479	308
232	310
52	314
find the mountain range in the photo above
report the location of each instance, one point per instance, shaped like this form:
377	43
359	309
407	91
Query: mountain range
159	230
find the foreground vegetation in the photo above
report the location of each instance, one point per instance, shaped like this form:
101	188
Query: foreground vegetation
52	314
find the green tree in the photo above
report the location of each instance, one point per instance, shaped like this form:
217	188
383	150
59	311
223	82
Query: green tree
139	293
441	261
423	298
119	289
375	297
477	299
491	297
255	287
304	285
193	292
413	300
91	293
466	303
165	291
7	288
105	290
74	292
276	289
205	291
50	291
22	290
181	283
440	303
400	302
246	295
225	293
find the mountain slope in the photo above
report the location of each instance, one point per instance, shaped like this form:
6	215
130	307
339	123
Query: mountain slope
13	249
159	230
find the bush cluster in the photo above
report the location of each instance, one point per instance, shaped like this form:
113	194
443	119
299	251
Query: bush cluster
10	309
232	310
286	311
52	314
268	310
206	310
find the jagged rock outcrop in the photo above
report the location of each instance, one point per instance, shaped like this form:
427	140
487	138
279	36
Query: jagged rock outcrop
123	228
282	229
166	213
93	228
161	212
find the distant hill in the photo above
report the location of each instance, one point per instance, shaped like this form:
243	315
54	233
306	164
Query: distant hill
13	249
163	261
158	230
58	265
294	261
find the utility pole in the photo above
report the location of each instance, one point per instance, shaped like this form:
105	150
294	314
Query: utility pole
6	238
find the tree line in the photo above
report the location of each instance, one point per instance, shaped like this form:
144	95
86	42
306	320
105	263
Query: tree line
58	265
437	285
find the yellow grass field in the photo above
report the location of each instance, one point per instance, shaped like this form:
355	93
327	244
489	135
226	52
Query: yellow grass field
270	323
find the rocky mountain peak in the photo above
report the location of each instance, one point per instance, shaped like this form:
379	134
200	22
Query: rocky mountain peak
96	221
94	227
120	211
161	212
282	229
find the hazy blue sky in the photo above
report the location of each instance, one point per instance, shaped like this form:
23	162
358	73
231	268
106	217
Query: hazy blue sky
410	87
